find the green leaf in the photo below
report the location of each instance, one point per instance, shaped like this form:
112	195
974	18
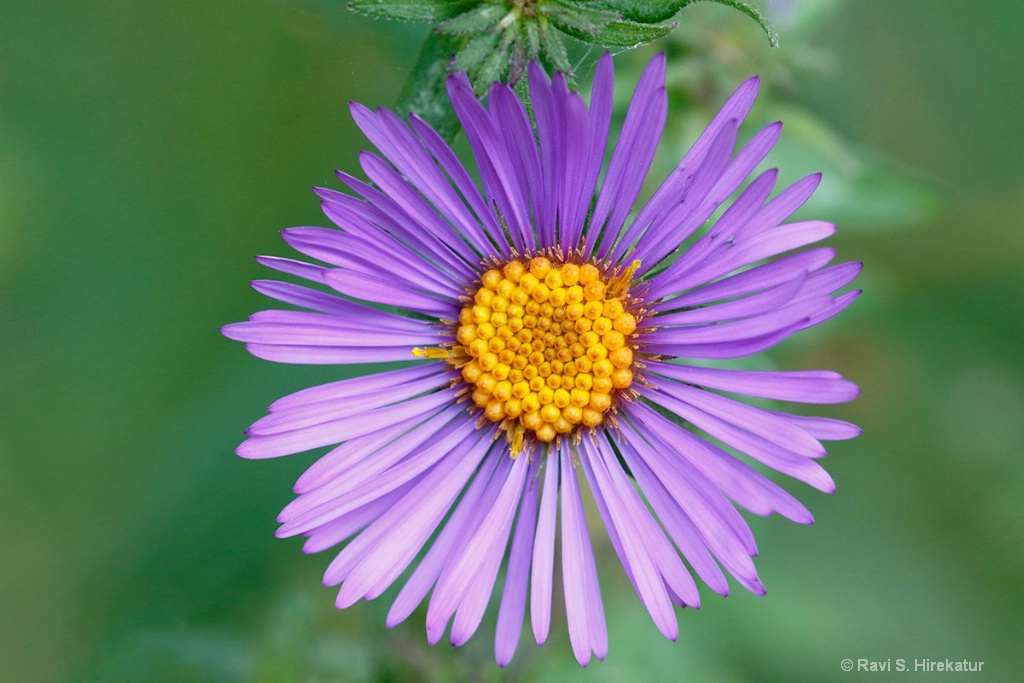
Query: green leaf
652	11
434	11
556	54
566	15
424	93
644	11
493	66
482	18
532	38
623	33
478	52
524	50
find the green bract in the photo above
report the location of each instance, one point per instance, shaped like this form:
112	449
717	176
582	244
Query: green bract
494	40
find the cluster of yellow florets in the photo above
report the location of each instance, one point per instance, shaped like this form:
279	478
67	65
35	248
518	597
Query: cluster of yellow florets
550	345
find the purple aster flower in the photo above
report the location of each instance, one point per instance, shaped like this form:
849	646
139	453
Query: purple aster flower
562	339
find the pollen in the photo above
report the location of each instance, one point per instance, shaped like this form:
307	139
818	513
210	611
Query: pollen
549	347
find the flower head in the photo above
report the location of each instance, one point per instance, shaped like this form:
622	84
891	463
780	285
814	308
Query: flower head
561	338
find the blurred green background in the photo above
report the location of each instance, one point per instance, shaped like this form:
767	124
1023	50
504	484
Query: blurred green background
149	149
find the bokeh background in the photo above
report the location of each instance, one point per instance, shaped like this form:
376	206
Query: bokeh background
149	149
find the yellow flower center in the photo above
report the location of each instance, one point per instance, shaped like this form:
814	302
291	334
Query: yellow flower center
548	346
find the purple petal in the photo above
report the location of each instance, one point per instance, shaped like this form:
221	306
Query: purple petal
779	457
456	533
669	192
401	461
677	579
762	245
714	183
513	599
490	231
400	146
824	428
322	355
490	538
580	174
732	349
740	211
361	317
773	455
307	271
583	605
357	386
339	529
308	415
500	182
382	290
304	296
745	307
511	120
551	139
694	457
632	157
479	591
743	484
782	207
839	305
635	545
397	536
544	555
701	178
664	340
370	253
339	459
383	213
423	215
753	280
811	386
720	527
688	402
588	171
676	523
831	279
304	329
336	431
471	609
311	510
684	218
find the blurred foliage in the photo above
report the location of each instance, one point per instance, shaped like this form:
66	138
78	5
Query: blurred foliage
862	188
148	149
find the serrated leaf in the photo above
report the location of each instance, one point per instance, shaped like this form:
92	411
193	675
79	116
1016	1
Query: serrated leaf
556	54
424	93
644	11
524	50
434	11
482	18
492	68
623	33
578	16
478	50
651	11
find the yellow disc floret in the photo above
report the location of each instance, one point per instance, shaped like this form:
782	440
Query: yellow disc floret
548	346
